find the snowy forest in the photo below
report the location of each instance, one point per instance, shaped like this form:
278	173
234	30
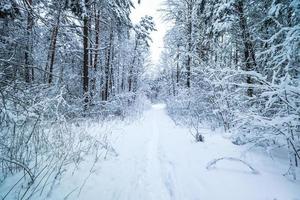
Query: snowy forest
85	112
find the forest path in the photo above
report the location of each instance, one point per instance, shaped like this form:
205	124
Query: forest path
158	160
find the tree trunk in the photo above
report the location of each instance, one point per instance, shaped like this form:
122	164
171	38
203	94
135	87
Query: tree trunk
95	62
52	50
177	66
111	75
189	58
130	75
107	67
249	54
28	60
123	80
85	62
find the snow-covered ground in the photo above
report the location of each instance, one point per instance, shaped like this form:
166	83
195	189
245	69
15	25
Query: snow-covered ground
158	160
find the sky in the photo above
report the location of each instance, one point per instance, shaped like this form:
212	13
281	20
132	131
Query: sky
150	7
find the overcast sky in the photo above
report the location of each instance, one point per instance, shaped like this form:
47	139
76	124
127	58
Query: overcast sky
150	7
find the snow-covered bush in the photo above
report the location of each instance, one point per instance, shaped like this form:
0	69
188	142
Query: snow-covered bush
235	65
40	139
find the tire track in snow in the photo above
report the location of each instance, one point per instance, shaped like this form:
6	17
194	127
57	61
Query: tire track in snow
165	167
171	181
138	187
157	189
147	181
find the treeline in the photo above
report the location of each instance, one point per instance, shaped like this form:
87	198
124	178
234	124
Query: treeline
61	60
235	64
90	47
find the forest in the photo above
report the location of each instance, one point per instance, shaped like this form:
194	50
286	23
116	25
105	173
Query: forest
85	113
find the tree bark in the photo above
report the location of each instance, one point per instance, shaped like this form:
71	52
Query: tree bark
111	74
85	61
28	61
177	66
130	75
107	67
249	54
52	50
95	62
189	59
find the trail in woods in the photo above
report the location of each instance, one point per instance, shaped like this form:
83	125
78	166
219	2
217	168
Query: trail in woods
159	160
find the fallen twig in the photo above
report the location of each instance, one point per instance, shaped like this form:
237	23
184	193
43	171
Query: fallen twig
214	162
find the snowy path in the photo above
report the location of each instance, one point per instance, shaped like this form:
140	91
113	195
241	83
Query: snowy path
158	160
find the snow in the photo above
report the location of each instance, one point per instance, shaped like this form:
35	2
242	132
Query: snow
158	160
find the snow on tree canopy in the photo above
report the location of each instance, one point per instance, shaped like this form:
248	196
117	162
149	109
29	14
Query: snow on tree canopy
8	9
